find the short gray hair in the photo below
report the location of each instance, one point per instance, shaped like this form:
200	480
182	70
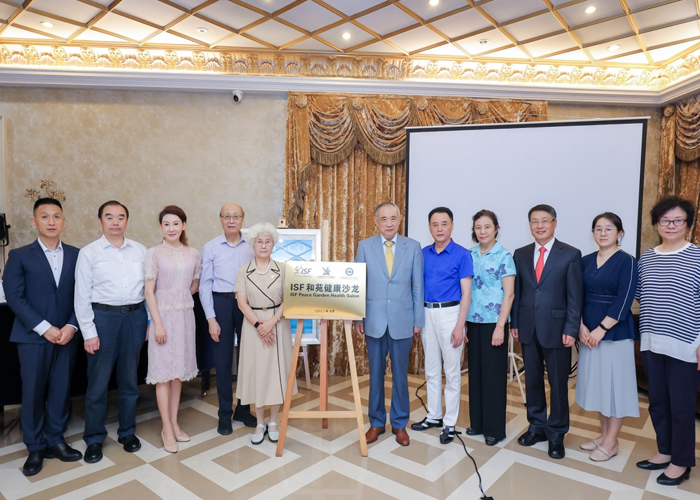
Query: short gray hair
262	228
386	204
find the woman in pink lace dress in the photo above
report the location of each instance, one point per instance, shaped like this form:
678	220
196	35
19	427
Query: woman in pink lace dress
172	277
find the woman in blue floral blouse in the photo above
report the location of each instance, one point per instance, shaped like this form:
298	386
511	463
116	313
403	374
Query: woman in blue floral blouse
487	329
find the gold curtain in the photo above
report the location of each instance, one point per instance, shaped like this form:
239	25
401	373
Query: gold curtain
679	171
346	154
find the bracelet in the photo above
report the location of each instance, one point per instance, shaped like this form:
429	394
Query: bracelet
604	327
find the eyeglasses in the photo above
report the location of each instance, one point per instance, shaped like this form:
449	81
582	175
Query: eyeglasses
606	230
675	222
544	222
229	218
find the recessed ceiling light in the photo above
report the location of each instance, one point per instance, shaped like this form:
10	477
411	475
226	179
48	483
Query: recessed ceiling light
613	47
590	10
483	41
46	24
434	2
202	30
346	36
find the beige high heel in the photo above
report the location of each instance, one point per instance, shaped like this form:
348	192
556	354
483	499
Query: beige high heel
182	438
168	448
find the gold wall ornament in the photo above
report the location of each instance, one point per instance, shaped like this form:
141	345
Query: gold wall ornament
47	189
285	64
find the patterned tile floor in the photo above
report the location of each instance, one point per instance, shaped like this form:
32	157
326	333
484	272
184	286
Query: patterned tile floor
320	464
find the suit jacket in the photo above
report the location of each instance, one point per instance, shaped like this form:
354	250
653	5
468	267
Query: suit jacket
394	301
32	293
553	306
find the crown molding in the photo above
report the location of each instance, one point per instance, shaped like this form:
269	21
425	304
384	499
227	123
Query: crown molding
103	68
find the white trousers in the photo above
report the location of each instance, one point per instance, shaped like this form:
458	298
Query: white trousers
437	345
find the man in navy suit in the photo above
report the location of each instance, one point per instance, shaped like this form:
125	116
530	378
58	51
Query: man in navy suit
38	281
394	314
546	317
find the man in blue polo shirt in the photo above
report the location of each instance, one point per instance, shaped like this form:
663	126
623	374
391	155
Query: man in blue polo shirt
447	275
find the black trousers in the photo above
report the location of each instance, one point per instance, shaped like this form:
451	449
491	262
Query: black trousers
558	362
230	319
488	379
673	391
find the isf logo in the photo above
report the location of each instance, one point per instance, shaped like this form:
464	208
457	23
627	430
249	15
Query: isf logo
302	270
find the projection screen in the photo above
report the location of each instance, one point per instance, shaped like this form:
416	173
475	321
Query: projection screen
581	168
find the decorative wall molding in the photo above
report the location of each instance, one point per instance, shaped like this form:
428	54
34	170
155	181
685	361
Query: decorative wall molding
560	82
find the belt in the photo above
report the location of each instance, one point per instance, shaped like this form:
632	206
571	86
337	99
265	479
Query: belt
226	295
120	309
434	305
266	308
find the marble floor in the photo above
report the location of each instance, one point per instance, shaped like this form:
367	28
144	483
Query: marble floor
326	463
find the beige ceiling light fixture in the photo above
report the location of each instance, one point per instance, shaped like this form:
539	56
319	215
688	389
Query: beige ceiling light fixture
434	2
614	47
591	9
46	24
483	41
347	36
202	30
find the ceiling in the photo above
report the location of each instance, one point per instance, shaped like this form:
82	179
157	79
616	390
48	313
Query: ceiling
643	33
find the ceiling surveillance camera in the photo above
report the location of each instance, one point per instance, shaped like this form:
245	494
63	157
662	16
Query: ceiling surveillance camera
237	95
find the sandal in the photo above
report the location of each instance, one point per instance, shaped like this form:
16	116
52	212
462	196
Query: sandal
600	455
260	437
589	445
273	436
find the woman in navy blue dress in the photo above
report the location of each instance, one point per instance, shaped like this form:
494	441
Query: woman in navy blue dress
607	381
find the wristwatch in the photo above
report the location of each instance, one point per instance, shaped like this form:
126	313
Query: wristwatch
257	324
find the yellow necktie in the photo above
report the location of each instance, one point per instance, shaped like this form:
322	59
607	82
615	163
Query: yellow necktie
389	256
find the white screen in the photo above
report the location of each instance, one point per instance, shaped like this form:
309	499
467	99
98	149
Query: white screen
580	168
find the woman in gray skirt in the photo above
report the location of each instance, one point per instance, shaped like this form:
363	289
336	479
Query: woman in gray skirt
607	380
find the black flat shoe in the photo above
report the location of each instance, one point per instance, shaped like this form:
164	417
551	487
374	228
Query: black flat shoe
131	443
93	454
491	441
472	432
225	428
34	463
425	424
64	453
647	465
530	438
242	414
556	450
664	480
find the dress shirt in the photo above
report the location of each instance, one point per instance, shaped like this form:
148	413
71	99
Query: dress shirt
220	263
444	271
107	275
548	247
55	259
393	247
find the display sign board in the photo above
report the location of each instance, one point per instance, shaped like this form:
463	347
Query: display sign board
325	290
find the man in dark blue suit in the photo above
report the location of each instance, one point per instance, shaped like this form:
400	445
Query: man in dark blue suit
39	280
546	317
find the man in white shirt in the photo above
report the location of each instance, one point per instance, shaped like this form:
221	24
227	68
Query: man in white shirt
39	280
111	312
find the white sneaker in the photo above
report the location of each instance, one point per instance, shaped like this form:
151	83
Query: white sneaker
259	438
273	435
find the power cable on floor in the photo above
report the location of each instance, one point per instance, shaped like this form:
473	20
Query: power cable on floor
457	434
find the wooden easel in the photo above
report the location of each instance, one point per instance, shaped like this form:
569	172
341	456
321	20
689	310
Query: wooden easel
323	412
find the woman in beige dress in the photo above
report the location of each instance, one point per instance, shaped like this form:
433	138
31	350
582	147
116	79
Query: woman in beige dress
266	339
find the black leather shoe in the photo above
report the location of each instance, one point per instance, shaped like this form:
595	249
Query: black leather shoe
34	463
491	441
471	432
242	414
93	454
530	438
556	450
131	443
447	435
63	452
424	425
647	465
225	428
664	480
